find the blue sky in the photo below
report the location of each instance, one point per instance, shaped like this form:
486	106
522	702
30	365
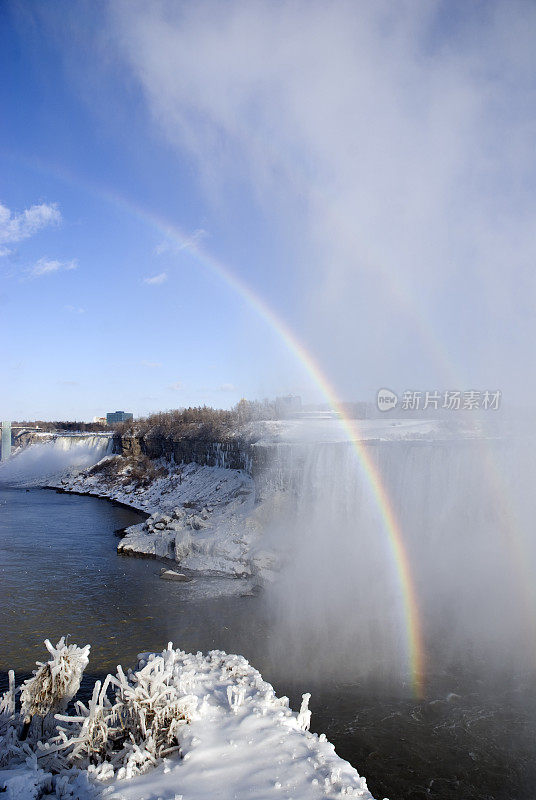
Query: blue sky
367	169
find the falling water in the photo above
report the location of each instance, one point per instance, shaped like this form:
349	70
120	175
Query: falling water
44	461
466	511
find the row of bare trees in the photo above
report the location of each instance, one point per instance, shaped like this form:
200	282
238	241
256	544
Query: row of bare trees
198	420
59	425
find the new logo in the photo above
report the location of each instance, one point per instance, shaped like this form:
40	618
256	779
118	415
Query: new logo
386	399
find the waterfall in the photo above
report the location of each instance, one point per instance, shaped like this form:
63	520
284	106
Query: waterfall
45	461
466	511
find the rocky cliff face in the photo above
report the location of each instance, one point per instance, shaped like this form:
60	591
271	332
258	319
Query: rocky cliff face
231	453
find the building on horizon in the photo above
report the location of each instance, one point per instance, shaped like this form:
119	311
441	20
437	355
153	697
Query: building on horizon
118	416
100	420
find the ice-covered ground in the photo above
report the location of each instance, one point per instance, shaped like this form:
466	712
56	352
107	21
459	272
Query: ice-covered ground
219	731
202	517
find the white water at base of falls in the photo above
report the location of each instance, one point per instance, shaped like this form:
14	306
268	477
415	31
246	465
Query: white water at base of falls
45	461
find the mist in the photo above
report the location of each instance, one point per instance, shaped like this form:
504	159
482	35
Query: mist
50	459
388	147
465	508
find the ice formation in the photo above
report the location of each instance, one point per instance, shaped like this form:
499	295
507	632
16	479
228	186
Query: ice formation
179	725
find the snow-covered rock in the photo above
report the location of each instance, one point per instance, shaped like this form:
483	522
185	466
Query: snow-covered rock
172	575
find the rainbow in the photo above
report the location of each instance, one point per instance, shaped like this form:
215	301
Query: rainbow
392	528
397	550
416	659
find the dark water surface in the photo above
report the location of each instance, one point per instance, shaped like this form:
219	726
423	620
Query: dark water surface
471	738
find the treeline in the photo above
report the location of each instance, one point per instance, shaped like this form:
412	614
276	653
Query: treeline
89	427
176	422
198	421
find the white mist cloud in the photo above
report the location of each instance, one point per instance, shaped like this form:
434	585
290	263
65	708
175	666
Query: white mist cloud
151	364
16	227
75	309
155	280
398	138
227	387
46	266
175	387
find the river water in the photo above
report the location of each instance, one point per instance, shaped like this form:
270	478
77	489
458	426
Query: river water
473	737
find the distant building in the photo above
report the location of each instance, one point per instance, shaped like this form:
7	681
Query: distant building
288	405
100	420
118	416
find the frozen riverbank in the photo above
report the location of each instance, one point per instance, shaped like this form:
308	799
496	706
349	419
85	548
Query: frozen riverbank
180	726
203	518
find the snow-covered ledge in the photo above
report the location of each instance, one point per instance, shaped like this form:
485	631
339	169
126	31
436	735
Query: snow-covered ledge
181	726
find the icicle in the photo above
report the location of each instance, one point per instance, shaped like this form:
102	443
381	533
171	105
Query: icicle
304	716
235	697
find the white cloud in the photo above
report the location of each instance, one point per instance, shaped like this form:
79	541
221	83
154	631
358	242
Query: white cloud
16	227
46	266
397	139
151	364
156	279
174	245
227	387
176	387
75	309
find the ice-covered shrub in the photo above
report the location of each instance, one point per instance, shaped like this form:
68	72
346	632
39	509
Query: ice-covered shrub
128	733
11	748
7	703
56	681
49	690
138	728
130	723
